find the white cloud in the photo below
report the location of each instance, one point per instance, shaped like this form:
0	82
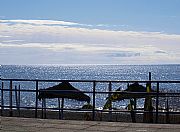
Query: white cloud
90	45
2	36
38	22
12	41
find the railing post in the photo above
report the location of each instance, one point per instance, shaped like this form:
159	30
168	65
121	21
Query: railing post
42	109
10	100
110	108
36	107
149	76
59	108
19	98
62	107
16	96
150	99
167	111
45	108
2	100
157	101
94	102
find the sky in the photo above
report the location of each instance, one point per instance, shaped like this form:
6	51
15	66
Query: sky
89	32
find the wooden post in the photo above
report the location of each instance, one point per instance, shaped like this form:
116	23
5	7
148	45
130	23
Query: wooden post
10	100
42	111
150	101
134	110
94	102
45	108
157	101
36	107
110	108
19	100
16	96
62	107
149	76
2	99
59	108
167	111
148	115
133	116
135	103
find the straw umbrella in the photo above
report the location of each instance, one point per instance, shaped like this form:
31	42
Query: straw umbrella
124	94
121	95
63	90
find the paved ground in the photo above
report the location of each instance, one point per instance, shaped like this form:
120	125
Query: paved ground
9	124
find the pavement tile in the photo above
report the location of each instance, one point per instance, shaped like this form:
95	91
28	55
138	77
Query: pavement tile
104	128
81	122
139	130
14	124
56	130
19	128
114	124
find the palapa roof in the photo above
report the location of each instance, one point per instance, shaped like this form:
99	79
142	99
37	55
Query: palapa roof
63	90
139	92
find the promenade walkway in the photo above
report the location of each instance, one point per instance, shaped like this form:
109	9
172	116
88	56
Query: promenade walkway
14	124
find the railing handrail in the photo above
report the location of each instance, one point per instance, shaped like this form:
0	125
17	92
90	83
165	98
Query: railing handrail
94	91
97	92
103	81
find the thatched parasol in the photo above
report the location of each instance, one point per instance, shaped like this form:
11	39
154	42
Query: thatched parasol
63	90
138	92
125	94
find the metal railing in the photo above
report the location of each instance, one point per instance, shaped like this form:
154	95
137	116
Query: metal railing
17	92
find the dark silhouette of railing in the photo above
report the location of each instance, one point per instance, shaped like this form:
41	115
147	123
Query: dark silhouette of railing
18	90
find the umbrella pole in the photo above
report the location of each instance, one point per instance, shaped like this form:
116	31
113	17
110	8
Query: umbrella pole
110	108
45	108
148	108
133	116
62	106
135	103
59	108
135	106
19	100
16	97
42	108
167	112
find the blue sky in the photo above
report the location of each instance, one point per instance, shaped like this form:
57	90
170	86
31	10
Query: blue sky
151	15
122	31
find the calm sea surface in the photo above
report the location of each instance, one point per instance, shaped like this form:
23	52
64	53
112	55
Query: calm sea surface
94	72
86	72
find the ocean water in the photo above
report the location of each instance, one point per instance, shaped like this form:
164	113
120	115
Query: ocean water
91	72
85	72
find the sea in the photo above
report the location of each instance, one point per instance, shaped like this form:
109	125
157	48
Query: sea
86	72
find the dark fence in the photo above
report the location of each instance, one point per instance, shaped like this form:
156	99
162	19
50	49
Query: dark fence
169	112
